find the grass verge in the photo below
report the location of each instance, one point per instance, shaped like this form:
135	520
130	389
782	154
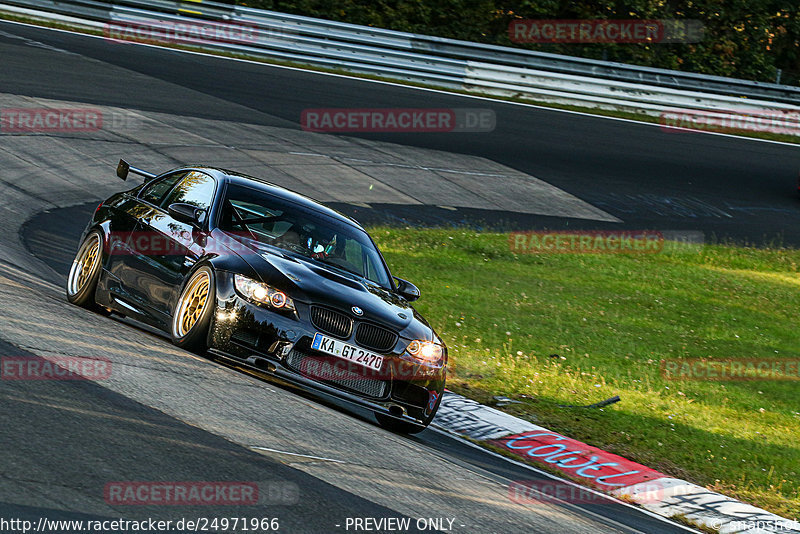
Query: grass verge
561	329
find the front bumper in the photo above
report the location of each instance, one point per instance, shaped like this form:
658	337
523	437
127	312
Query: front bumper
278	344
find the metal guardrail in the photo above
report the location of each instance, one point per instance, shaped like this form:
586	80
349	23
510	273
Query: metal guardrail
450	48
445	62
500	55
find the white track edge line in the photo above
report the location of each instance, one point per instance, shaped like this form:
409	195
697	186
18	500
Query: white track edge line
253	447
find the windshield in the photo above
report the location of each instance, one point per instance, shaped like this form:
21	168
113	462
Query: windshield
268	219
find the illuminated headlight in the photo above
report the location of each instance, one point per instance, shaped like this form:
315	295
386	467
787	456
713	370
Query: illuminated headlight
425	352
262	293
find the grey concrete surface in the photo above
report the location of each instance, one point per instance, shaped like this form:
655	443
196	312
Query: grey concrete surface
46	170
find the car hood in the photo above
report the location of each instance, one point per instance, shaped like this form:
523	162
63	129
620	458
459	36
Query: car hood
310	281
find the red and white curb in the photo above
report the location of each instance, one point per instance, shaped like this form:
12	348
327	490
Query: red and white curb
606	472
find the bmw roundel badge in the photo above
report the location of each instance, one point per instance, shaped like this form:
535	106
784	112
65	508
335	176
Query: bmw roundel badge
357	311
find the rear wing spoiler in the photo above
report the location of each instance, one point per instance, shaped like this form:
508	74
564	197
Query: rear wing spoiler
123	168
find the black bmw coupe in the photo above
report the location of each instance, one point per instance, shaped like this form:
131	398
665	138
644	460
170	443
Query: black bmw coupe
256	275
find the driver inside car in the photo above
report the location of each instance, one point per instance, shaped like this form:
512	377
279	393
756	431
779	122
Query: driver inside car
291	238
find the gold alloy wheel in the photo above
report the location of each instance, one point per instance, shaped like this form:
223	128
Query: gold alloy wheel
84	264
192	303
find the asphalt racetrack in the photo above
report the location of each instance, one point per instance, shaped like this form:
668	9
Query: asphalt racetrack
167	415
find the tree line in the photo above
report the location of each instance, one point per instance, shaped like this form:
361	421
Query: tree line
750	39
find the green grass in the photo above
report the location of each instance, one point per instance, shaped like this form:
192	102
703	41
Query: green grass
574	329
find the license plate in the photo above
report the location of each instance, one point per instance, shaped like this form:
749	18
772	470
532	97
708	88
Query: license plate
347	352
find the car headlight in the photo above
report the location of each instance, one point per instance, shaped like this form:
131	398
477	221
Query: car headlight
426	352
262	293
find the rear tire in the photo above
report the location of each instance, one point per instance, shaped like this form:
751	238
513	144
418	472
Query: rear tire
85	271
191	318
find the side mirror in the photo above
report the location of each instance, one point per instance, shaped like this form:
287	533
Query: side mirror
407	290
187	213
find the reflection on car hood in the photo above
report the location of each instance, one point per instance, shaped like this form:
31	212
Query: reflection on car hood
310	281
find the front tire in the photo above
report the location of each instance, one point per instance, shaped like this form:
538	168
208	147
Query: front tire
397	426
191	319
85	271
404	427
